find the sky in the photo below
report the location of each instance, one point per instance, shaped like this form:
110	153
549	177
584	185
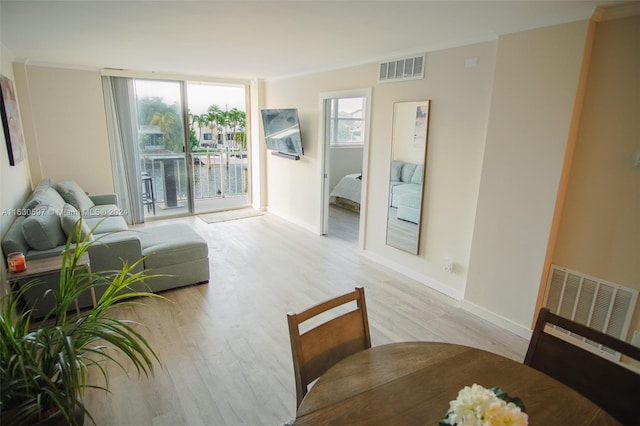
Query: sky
199	95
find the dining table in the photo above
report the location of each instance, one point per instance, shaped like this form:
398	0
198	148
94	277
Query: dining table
412	383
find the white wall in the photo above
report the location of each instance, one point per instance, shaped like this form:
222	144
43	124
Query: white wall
459	111
497	139
599	232
534	92
344	161
65	126
15	182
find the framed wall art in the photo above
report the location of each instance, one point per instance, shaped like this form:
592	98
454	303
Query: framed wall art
11	122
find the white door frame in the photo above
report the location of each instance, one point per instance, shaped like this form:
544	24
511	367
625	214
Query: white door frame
325	158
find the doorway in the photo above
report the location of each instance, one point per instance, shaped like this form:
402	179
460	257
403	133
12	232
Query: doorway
345	116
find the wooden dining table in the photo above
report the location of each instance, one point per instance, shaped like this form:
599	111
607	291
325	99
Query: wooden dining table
412	383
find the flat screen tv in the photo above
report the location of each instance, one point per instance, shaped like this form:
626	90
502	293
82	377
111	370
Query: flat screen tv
282	130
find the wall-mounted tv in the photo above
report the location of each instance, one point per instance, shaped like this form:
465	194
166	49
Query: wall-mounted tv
282	130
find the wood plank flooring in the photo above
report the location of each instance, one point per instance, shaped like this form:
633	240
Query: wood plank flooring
224	345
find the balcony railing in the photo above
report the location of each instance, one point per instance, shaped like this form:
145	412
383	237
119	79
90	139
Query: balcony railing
216	173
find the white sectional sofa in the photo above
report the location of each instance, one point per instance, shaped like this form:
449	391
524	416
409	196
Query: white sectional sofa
406	189
40	230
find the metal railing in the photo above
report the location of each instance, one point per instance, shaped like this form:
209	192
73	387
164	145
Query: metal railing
215	173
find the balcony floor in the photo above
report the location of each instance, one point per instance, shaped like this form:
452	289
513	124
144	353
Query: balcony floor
202	205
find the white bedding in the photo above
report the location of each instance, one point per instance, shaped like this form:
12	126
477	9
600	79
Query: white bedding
349	187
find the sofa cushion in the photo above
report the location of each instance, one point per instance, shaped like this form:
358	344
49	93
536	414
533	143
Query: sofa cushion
42	230
407	172
74	195
106	225
409	200
69	219
103	210
170	245
44	194
14	240
407	188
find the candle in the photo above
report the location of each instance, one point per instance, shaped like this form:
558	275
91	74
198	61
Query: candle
16	262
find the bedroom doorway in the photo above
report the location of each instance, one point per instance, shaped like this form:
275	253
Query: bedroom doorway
345	134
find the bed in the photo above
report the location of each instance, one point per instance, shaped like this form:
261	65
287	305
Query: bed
346	193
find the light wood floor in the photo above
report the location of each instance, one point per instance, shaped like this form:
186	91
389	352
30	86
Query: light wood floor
224	346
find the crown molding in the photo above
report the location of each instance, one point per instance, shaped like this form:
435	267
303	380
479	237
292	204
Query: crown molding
616	12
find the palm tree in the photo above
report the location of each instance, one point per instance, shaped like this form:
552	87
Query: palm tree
167	123
45	365
243	133
215	118
201	121
194	142
235	117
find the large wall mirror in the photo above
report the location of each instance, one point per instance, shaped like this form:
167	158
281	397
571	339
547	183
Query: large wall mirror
408	163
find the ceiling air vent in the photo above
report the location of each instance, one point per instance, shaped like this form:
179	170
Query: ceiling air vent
411	68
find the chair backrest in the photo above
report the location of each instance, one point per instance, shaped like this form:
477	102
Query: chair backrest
319	348
609	384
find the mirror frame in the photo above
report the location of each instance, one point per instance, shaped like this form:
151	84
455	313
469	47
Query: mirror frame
409	141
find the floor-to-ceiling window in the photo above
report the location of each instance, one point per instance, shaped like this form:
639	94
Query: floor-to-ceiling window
161	146
218	142
178	147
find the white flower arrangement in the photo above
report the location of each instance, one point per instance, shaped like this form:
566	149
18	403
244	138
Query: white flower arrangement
478	406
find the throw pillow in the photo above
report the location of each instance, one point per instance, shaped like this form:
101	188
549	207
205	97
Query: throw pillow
74	195
407	172
69	219
42	230
44	195
417	175
396	170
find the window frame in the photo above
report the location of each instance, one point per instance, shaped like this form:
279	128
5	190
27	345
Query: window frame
335	120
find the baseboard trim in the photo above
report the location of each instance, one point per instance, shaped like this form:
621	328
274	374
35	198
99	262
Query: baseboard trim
496	319
307	226
421	278
470	307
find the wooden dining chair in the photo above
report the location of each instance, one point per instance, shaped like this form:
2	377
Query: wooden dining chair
609	384
319	348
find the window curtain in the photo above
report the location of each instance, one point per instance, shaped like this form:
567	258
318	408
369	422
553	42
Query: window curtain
122	128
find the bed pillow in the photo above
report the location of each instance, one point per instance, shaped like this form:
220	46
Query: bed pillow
42	230
68	220
74	195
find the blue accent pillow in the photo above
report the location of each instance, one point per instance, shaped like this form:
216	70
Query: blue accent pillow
407	172
42	230
417	175
396	170
74	195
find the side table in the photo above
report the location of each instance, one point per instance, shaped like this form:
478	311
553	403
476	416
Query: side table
40	267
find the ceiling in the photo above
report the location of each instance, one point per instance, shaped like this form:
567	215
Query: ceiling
259	39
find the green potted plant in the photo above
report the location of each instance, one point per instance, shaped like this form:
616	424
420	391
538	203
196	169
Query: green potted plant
45	364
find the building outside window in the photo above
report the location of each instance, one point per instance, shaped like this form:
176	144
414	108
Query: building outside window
347	122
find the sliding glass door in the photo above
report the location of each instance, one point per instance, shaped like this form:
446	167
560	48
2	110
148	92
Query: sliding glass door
163	153
177	147
218	146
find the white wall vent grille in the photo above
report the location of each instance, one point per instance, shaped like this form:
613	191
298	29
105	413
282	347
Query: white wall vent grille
411	68
602	305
